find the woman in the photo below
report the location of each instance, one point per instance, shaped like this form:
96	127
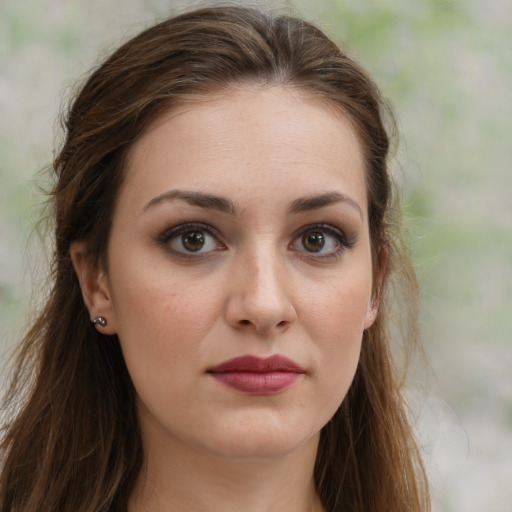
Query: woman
217	333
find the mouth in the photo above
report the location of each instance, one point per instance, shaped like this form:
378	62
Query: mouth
258	376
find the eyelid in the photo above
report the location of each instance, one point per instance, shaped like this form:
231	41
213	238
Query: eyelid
171	231
322	226
165	236
344	242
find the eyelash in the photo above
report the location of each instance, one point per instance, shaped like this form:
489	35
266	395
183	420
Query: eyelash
169	234
342	241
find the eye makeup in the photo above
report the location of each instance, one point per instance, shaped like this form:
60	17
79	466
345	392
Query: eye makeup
198	240
321	242
190	240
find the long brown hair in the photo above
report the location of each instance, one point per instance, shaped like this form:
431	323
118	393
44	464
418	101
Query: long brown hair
72	442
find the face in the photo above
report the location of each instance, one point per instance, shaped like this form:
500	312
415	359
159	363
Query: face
239	275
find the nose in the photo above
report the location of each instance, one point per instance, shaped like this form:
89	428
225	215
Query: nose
260	297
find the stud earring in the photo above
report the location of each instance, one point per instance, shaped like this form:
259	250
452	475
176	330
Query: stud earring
100	320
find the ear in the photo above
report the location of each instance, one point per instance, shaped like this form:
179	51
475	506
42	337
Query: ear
95	287
376	298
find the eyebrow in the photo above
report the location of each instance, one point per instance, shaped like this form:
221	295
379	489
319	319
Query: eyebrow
315	202
200	199
223	204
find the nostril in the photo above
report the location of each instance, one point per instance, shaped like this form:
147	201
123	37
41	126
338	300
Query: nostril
282	323
244	322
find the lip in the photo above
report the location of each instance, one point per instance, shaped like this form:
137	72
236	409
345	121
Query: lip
258	376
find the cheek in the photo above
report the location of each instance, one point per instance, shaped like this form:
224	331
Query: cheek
161	322
336	324
338	310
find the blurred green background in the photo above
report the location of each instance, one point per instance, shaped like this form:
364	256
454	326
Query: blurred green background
446	67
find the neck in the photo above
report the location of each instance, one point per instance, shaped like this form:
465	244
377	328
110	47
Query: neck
187	481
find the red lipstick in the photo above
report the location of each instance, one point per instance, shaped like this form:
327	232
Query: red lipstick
257	376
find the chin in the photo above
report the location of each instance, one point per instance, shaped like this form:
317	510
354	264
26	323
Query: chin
260	447
262	439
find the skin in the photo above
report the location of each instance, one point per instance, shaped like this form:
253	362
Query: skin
253	288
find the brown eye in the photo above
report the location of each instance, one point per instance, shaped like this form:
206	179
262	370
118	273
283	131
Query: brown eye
193	240
321	241
313	241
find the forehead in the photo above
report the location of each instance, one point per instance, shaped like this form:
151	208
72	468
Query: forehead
249	138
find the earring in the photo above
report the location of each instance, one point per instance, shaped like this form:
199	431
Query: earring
100	320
